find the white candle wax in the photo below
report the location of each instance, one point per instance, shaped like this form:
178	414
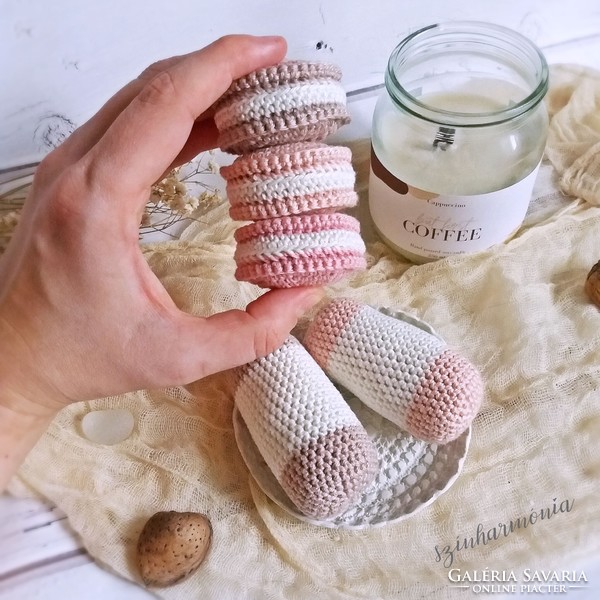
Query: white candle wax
479	160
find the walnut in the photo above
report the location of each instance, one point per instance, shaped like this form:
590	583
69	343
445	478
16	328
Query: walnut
592	284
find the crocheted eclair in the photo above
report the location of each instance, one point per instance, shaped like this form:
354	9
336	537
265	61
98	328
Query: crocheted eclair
294	101
400	371
289	180
301	250
309	437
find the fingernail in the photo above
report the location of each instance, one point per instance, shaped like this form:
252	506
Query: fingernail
272	39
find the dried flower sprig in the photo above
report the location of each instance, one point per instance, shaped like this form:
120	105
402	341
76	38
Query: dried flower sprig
181	195
9	220
173	193
11	203
171	200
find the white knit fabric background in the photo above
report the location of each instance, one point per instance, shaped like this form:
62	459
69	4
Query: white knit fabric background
518	312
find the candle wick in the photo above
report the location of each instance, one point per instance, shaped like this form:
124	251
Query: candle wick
444	138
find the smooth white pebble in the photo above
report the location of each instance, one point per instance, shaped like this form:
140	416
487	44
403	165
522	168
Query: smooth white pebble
109	426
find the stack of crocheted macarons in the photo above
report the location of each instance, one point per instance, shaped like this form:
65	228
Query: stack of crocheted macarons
287	181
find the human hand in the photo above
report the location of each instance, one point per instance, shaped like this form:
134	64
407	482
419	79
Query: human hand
81	314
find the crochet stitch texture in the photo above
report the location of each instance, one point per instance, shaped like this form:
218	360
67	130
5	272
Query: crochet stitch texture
289	180
294	101
300	250
400	371
309	437
292	189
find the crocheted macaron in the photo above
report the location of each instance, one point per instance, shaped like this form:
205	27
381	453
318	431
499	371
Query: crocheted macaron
309	437
300	250
290	180
407	375
294	101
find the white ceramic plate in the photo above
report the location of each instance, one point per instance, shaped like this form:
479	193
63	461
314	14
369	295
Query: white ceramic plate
412	473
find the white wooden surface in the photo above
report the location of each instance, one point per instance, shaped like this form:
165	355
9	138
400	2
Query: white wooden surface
65	58
60	60
42	558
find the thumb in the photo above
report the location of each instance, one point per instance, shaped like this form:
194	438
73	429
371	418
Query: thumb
236	337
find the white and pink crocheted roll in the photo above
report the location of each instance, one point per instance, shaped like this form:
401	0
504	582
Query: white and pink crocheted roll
309	437
400	371
290	180
312	249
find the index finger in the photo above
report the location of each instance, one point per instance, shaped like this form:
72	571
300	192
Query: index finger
149	134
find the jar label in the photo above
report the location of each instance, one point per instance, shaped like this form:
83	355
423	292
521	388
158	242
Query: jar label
433	226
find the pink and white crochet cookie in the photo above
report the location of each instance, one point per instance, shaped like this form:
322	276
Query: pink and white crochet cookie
301	250
407	375
289	180
294	101
309	437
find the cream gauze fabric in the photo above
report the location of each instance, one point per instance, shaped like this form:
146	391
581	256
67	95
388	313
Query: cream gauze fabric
518	311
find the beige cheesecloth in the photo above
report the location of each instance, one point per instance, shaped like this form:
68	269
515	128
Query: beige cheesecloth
517	311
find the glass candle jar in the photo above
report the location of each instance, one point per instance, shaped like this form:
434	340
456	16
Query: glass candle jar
458	136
